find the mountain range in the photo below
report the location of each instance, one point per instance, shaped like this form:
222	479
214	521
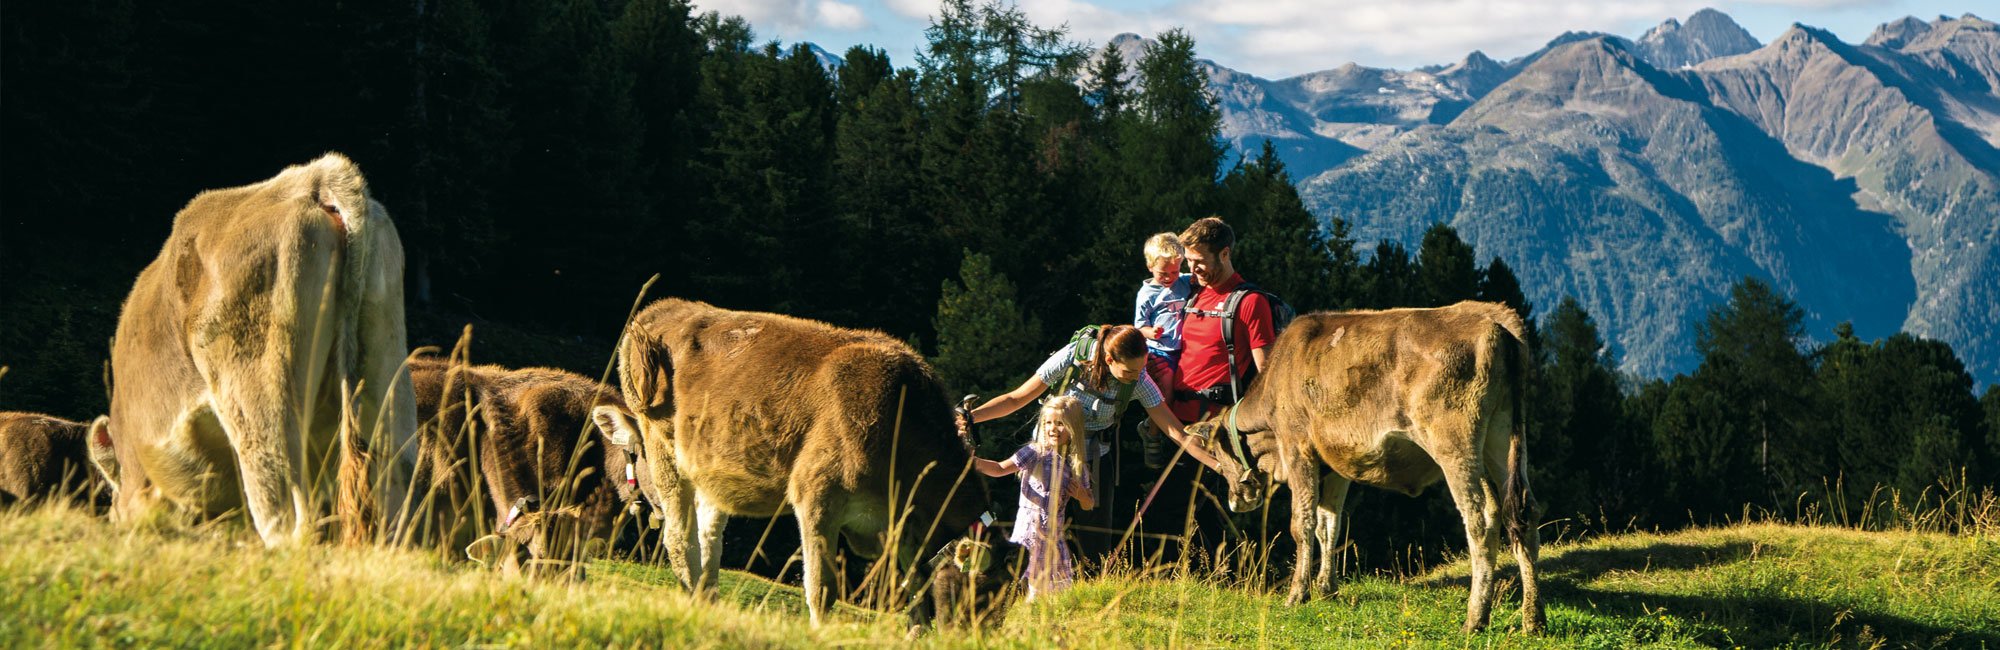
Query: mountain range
1646	176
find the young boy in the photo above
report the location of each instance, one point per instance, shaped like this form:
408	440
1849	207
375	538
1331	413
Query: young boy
1162	296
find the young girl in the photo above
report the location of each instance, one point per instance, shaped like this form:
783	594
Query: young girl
1053	469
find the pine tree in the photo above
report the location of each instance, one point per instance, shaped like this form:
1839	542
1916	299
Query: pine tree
1581	420
1750	361
1898	414
984	338
1446	272
1389	279
1278	242
891	251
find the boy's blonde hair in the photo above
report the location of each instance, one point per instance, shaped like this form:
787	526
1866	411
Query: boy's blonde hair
1164	246
1068	410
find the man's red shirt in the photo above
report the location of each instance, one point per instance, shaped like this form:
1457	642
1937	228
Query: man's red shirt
1204	360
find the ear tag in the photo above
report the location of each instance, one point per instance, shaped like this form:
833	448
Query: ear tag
621	437
630	478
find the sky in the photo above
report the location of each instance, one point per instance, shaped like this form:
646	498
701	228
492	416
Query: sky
1281	38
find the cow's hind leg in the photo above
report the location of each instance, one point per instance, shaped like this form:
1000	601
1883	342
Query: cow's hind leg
1332	524
1522	534
1478	507
818	524
1304	481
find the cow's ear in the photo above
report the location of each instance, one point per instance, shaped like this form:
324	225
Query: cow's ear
103	455
617	424
648	372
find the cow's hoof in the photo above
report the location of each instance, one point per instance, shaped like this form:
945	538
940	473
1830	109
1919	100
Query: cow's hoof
1296	598
1472	627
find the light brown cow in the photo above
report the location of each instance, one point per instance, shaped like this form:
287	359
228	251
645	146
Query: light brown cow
503	448
1400	399
755	414
44	457
242	348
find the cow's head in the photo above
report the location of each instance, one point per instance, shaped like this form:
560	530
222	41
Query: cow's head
1238	460
625	457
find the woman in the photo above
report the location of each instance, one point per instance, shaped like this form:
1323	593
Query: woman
1115	356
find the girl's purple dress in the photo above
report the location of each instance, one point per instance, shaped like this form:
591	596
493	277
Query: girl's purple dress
1041	512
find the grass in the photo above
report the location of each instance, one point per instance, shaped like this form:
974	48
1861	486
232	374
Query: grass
69	579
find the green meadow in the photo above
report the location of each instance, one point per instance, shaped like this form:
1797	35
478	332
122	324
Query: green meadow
68	579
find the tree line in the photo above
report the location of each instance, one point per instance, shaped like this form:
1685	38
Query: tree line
982	200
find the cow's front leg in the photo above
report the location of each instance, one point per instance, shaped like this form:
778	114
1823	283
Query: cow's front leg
678	531
711	520
1304	481
1330	515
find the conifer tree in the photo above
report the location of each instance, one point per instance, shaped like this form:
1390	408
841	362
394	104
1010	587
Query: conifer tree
1389	279
1580	442
1446	272
985	340
1897	414
1278	243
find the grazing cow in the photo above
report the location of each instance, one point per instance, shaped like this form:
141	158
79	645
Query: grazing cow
1400	399
258	359
48	457
505	450
755	414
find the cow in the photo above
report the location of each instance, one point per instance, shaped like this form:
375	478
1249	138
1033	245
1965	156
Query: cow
258	361
757	414
1398	399
505	450
44	457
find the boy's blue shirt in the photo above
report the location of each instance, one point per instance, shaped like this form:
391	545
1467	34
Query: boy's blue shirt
1159	306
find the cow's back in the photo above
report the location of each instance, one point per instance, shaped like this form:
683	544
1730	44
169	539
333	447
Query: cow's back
41	456
754	391
1368	390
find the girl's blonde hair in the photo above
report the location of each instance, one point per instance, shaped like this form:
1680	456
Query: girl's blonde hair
1068	410
1164	246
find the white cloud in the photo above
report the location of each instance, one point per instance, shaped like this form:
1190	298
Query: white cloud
1283	37
913	8
840	15
790	17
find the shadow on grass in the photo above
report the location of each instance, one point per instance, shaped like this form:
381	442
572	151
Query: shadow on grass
1750	620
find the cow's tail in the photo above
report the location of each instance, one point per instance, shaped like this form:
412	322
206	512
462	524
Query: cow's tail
341	192
1519	499
354	499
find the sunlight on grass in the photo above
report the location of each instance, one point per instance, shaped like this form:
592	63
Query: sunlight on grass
68	579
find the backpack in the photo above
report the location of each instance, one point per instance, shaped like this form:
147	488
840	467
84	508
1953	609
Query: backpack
1282	314
1080	344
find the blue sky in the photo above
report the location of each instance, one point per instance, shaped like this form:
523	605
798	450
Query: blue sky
1279	38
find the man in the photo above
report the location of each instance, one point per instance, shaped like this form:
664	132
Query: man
1204	383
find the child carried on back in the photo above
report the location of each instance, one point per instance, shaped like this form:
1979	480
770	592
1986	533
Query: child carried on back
1163	295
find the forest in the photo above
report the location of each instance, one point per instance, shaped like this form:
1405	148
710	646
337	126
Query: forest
982	199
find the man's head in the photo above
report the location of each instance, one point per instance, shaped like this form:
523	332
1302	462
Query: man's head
1208	242
1163	258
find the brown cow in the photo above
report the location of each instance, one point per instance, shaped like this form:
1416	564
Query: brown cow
49	457
540	455
755	414
266	336
1400	399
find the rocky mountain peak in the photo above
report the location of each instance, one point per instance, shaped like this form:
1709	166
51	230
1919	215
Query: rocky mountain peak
1895	34
1706	35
